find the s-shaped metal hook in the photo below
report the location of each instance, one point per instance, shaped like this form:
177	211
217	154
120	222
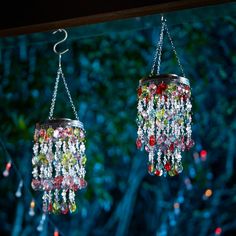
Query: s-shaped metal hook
61	41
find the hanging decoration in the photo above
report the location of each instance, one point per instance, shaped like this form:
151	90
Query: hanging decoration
7	169
59	155
32	207
164	115
18	193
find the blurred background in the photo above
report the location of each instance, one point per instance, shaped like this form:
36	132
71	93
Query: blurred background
103	66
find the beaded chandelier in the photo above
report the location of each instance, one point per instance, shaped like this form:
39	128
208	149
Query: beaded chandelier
59	155
164	116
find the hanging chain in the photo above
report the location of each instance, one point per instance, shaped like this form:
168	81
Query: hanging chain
175	52
158	52
54	97
69	95
160	47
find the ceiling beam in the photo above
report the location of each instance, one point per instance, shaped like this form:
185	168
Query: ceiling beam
73	17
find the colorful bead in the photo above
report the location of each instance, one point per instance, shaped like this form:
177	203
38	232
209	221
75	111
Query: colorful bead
164	124
152	140
167	166
72	207
59	167
151	169
138	143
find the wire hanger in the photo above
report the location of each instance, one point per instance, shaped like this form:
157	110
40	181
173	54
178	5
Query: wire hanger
61	41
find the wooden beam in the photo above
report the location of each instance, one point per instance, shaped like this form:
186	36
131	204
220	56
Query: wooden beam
47	21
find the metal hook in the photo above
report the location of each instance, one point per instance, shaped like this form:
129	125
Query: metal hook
61	41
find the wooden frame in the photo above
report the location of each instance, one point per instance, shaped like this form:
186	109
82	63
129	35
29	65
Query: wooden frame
54	18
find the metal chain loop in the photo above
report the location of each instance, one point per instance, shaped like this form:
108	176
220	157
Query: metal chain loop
60	73
160	48
54	96
69	95
158	52
175	52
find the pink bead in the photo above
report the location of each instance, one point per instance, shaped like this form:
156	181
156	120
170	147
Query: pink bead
138	143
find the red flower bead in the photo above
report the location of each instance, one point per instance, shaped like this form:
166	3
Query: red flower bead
163	86
57	182
75	187
42	133
50	207
159	90
184	97
65	210
157	172
172	147
83	183
152	140
167	166
187	87
139	91
138	143
36	184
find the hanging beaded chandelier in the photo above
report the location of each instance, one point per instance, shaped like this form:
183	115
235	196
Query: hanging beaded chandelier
59	155
164	116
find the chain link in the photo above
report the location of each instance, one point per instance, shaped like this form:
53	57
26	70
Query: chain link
69	95
175	52
158	52
160	48
60	73
54	96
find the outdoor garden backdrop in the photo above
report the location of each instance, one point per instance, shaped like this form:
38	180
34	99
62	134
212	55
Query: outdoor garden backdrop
103	68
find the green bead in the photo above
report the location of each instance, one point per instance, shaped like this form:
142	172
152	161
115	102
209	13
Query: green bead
56	208
72	207
76	132
83	160
158	115
148	124
145	91
50	132
155	100
73	161
64	160
41	139
180	121
42	159
162	111
171	173
171	87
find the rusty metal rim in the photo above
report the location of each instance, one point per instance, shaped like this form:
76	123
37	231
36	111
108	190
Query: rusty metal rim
164	78
60	122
